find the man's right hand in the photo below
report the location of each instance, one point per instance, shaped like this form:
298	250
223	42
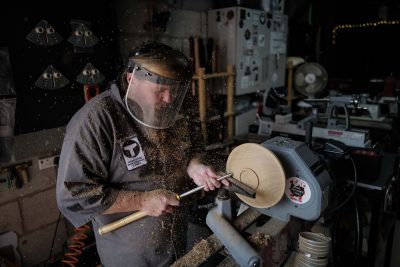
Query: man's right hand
154	203
158	202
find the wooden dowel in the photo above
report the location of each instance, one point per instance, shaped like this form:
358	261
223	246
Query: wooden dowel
216	117
290	83
212	75
121	222
202	104
196	54
229	101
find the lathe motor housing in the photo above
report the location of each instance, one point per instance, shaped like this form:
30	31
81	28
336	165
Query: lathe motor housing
308	183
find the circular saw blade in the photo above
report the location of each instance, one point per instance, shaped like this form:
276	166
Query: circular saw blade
258	168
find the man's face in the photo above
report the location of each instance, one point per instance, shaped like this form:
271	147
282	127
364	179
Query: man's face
159	95
155	102
149	93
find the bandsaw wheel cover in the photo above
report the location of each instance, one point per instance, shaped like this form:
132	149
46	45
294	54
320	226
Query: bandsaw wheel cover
258	168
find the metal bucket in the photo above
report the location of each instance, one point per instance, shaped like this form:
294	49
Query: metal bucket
313	250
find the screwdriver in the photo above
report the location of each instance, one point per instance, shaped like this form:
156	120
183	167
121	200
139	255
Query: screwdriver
140	214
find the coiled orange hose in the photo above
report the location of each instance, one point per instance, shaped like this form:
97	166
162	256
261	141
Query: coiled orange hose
75	245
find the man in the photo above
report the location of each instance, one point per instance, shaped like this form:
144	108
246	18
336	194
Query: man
125	151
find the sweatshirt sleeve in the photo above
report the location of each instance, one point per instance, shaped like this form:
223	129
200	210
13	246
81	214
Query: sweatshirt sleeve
83	190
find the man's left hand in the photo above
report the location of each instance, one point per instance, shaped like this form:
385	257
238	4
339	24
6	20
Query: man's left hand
204	175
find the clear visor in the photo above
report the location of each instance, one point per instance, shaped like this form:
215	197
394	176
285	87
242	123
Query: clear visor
154	101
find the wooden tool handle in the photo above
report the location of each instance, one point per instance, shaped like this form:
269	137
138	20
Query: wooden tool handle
121	222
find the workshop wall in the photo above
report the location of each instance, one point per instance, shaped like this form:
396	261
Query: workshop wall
31	211
39	108
119	26
172	24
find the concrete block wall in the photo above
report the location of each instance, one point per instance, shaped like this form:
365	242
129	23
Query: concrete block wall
186	20
31	211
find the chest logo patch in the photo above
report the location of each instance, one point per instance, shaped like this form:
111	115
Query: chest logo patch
133	154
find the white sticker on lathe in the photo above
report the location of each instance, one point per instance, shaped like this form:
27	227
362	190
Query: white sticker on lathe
297	190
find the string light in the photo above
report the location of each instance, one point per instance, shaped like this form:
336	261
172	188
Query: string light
361	25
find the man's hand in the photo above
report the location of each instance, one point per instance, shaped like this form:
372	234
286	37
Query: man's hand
158	202
204	175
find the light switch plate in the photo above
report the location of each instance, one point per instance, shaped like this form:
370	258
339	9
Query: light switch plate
48	162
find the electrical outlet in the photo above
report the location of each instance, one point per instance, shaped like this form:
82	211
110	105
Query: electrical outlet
45	163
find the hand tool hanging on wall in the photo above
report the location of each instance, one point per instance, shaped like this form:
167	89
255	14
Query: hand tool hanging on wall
5	177
202	53
15	176
192	57
17	180
209	51
90	77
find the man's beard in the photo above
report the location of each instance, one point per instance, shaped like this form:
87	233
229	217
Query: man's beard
157	116
151	115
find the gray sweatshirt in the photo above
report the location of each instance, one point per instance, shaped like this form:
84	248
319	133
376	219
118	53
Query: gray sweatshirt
104	151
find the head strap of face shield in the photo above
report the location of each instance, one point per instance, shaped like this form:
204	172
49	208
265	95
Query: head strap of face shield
153	60
149	48
144	74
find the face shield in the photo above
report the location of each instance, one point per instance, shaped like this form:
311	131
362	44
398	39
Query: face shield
153	100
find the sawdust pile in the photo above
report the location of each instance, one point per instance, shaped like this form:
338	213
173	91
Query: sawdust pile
246	219
199	254
259	239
